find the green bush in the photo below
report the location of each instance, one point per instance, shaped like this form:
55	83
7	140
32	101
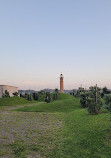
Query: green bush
29	97
83	100
94	100
6	94
47	97
35	96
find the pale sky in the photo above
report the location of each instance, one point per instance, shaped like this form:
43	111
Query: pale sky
39	39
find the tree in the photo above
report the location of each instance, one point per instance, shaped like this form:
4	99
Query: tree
6	94
94	100
29	97
35	96
83	100
77	93
15	94
104	91
56	94
47	97
56	90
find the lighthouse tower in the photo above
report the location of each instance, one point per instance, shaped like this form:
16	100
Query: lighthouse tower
61	84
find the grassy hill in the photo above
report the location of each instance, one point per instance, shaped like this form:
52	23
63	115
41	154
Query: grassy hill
64	103
22	101
82	135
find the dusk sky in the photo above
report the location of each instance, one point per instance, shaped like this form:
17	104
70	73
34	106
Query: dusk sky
40	39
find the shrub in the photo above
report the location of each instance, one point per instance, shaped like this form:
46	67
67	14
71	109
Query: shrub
83	100
15	94
35	96
55	96
94	100
29	97
6	94
47	97
93	107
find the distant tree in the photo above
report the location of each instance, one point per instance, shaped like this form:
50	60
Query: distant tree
35	96
41	92
47	97
77	93
56	94
15	94
104	91
29	97
56	90
73	92
6	94
25	95
21	95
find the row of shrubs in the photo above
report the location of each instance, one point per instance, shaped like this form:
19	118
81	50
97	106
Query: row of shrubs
35	96
46	96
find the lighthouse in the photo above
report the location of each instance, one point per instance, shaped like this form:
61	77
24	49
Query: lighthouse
61	83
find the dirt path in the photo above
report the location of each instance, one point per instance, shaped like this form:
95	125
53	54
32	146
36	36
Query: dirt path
27	134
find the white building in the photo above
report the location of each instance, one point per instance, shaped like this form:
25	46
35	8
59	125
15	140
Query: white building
10	89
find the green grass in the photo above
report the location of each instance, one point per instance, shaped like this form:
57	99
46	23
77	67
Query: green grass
65	103
82	136
20	101
14	101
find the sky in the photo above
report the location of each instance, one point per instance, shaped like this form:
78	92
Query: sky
40	39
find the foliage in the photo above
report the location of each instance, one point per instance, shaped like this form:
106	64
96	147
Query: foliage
6	94
94	100
29	97
56	90
56	94
104	91
35	96
77	93
15	94
24	95
83	100
107	99
41	92
47	97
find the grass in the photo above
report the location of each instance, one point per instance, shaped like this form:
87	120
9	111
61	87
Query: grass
14	101
61	105
60	129
83	135
21	101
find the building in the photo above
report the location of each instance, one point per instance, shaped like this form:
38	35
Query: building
10	89
61	84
